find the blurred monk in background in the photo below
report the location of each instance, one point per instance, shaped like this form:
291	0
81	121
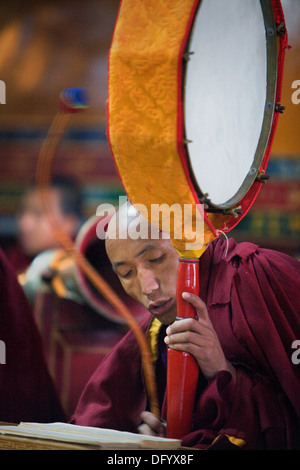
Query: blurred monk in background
34	232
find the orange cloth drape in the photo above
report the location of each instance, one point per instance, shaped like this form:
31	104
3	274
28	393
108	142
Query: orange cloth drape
144	106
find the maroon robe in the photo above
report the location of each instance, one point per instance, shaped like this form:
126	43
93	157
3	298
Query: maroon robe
253	299
26	389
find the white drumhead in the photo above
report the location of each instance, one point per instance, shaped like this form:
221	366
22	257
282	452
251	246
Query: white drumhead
225	94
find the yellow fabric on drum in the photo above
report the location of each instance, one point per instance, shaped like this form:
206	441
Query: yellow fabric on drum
143	107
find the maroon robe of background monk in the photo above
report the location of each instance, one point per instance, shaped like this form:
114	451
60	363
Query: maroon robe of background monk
249	387
26	390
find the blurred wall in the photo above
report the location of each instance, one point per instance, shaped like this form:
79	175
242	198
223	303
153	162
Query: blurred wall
45	47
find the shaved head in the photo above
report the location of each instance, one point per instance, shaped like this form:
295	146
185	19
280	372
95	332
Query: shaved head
128	222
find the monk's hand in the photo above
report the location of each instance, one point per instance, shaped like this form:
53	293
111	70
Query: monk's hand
198	337
151	425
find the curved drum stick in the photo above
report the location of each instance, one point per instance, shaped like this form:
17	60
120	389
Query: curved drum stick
73	100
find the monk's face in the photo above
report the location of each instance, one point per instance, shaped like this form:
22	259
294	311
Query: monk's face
147	270
35	232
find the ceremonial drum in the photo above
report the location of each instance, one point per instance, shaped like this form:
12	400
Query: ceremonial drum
229	90
194	96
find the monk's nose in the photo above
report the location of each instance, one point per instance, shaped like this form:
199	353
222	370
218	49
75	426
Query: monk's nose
148	282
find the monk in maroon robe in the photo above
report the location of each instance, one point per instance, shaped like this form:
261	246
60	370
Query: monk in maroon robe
248	312
26	389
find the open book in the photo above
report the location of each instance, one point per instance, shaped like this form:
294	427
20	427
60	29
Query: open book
62	435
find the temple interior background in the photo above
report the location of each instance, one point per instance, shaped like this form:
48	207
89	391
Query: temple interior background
47	46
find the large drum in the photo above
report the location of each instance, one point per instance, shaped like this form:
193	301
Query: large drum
229	97
193	101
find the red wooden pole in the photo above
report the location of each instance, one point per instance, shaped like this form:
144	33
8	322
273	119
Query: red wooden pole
182	368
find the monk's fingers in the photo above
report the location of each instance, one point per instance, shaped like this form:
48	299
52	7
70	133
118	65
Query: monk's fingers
187	337
151	426
190	348
146	430
197	303
200	326
210	358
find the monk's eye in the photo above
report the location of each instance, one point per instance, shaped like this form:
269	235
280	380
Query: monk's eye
126	275
157	260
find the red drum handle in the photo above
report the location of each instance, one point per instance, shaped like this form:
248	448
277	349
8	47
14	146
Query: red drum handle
182	368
